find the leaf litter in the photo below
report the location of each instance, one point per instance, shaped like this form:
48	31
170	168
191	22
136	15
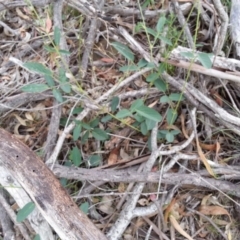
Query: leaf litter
118	134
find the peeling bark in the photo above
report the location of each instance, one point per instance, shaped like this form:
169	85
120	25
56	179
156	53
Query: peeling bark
45	190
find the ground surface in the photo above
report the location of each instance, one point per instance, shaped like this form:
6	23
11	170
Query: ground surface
141	99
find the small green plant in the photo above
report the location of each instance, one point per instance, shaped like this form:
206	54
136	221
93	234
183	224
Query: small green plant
58	81
24	212
84	131
37	237
89	129
203	58
84	207
145	117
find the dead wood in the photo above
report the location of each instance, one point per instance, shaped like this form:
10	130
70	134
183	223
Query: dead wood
45	190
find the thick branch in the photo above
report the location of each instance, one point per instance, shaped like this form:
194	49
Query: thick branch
45	190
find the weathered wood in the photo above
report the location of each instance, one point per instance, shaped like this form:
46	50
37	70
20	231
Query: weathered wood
45	190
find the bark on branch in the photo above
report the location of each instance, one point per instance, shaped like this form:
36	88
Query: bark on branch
45	190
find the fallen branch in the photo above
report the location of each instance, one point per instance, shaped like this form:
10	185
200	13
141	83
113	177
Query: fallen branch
45	190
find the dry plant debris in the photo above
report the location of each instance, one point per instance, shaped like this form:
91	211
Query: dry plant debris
133	106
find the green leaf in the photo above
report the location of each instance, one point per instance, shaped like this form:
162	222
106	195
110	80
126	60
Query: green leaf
86	126
162	67
64	52
77	110
151	65
138	117
64	121
63	182
37	237
149	144
85	137
164	99
123	113
99	134
66	87
62	75
149	113
35	87
138	27
25	211
49	49
142	63
106	118
77	131
38	68
84	207
160	24
76	156
136	104
150	124
205	60
50	80
57	36
175	132
58	95
68	163
64	84
165	40
169	137
176	97
144	129
151	31
114	103
160	85
94	123
95	160
189	55
171	116
124	50
161	134
129	68
152	77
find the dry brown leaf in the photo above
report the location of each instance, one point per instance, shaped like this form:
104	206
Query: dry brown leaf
20	120
204	160
124	155
106	205
169	209
153	104
128	25
138	224
218	147
48	24
113	156
113	142
22	15
30	129
40	112
210	147
108	60
16	128
214	210
221	222
217	97
176	225
29	116
140	83
121	187
184	131
205	199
